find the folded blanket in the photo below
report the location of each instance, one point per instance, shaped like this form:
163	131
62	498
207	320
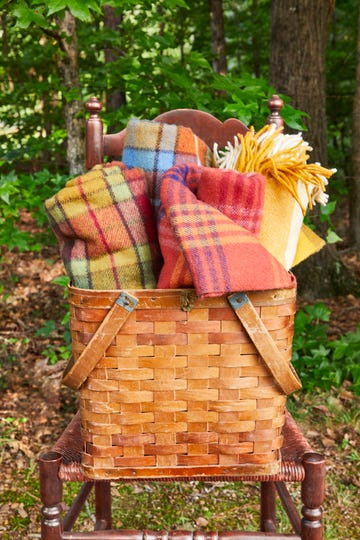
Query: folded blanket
106	229
292	185
156	147
309	243
283	231
211	244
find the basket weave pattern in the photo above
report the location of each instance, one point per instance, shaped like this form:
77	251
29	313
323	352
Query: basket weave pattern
181	390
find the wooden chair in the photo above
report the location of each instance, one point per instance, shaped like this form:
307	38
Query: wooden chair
299	463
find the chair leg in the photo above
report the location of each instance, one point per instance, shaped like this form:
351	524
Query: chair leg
77	505
312	496
51	496
268	507
103	505
289	506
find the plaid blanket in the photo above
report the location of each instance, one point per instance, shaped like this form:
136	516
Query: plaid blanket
211	244
292	184
106	229
156	147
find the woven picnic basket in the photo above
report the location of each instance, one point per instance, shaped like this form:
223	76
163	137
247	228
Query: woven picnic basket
174	386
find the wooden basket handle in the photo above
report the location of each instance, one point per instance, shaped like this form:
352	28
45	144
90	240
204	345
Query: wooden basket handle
282	371
76	373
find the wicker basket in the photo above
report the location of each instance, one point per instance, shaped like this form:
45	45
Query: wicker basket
172	386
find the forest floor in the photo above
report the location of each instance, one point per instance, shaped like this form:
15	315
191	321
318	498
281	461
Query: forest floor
34	407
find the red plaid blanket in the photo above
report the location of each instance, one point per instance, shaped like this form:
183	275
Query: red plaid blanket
106	229
208	224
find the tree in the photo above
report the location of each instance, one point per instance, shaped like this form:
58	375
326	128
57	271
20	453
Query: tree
29	103
69	70
354	206
115	97
218	37
299	32
55	23
139	60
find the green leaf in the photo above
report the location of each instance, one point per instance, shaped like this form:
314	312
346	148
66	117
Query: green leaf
78	9
54	6
318	312
332	237
176	3
293	118
46	330
81	11
328	209
26	16
63	281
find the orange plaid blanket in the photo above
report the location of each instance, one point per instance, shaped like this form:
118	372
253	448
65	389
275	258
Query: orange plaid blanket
207	229
155	147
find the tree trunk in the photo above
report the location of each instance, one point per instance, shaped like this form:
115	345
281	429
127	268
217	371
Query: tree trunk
299	30
255	42
354	199
218	37
115	97
69	71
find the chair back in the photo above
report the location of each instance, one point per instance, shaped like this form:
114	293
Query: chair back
203	124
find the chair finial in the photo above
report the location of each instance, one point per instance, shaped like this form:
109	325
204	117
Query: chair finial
275	104
94	106
94	143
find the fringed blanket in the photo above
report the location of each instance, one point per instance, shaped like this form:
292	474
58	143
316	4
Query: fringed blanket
106	229
209	220
292	185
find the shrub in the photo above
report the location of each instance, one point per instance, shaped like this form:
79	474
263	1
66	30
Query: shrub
320	362
26	193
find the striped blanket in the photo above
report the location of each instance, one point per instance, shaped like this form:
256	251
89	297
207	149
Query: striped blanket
208	226
106	229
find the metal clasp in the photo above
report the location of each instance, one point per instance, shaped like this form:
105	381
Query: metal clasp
187	299
127	301
238	299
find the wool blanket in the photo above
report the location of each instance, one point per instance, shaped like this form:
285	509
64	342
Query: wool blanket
106	229
208	225
292	185
155	147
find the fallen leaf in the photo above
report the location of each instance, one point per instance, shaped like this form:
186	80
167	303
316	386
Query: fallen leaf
312	434
323	409
201	522
327	442
22	512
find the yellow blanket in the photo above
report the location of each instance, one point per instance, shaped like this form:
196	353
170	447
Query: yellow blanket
292	185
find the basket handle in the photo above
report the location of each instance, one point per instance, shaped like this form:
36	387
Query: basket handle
282	371
76	373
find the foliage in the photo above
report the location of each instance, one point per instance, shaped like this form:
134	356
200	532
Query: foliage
163	61
320	362
53	350
325	216
26	193
9	348
341	58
